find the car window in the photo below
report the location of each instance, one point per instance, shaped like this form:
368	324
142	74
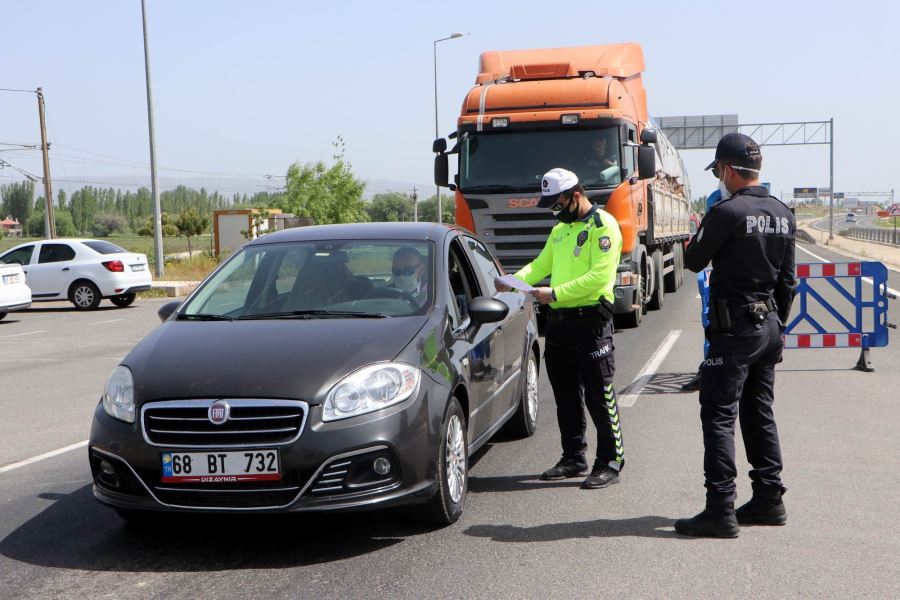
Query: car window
19	255
390	277
484	262
463	283
51	253
102	247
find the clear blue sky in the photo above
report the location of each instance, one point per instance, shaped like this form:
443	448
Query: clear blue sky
249	87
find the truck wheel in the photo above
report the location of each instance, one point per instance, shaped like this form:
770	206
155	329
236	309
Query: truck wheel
657	299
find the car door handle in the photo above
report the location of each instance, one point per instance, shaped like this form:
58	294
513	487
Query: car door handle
66	269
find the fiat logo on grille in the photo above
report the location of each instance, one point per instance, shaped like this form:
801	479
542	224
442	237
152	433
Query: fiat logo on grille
219	412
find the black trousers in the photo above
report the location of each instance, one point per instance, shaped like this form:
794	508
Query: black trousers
738	378
579	355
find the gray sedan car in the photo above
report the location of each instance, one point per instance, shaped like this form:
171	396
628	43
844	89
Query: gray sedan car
322	368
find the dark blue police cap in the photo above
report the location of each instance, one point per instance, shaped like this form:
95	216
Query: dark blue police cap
735	146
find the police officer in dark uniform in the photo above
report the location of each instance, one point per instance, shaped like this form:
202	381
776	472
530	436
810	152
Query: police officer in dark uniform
581	257
749	236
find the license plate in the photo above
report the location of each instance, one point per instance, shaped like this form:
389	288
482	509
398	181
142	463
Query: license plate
10	279
220	467
138	267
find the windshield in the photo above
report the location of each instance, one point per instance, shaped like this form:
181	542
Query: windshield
516	161
323	279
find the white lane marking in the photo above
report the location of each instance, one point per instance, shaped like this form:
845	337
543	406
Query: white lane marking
866	279
26	333
697	296
650	368
45	455
104	322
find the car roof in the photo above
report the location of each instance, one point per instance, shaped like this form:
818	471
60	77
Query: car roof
359	231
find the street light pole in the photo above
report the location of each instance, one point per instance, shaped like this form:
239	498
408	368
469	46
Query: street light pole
436	132
154	182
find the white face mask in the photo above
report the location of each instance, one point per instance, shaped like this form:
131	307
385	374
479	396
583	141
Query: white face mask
724	190
406	283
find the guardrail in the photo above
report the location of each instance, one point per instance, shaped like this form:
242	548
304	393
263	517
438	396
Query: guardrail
874	234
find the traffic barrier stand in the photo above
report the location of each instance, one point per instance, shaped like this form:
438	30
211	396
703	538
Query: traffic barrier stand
866	328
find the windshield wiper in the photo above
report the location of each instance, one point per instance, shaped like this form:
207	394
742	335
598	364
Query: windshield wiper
204	317
312	314
498	189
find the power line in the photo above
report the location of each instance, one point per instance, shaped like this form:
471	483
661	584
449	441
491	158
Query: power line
31	176
15	90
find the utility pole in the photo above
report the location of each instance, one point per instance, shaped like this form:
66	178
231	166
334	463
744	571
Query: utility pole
154	182
831	183
49	222
415	199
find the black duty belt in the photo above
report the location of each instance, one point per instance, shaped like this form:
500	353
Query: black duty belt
595	311
721	312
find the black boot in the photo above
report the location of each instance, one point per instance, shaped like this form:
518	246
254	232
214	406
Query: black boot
566	467
717	521
764	508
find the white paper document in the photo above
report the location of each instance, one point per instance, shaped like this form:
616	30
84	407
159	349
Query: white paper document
515	283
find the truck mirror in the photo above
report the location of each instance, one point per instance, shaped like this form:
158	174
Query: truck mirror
648	136
441	170
439	145
646	161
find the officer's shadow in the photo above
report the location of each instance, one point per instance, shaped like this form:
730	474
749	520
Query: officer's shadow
650	527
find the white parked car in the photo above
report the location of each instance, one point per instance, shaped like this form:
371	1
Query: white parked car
14	292
81	271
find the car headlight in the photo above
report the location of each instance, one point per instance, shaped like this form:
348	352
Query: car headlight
118	395
369	389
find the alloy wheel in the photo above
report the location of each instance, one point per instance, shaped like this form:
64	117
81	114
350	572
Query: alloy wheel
531	390
455	459
83	296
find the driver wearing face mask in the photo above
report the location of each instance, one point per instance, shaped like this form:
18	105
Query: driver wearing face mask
408	273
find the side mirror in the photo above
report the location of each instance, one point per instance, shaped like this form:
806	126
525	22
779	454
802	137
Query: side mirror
487	310
166	310
439	146
441	170
646	161
648	136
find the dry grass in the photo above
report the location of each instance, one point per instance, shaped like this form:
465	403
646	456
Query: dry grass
194	269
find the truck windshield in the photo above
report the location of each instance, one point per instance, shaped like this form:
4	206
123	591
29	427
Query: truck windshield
516	161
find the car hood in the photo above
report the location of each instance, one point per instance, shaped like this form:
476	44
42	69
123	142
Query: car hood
300	359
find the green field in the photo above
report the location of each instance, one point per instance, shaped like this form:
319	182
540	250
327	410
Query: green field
132	243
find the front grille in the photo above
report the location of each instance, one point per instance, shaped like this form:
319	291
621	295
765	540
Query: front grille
186	423
246	494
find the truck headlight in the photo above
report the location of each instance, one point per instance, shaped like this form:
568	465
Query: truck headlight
118	395
369	389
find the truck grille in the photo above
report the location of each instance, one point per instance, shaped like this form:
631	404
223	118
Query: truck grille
515	236
186	423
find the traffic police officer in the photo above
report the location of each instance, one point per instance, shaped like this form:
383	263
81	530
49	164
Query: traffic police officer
581	257
749	236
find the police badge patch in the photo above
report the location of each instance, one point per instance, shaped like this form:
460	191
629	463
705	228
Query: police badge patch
579	242
605	243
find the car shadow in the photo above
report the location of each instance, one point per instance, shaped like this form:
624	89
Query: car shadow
8	321
76	532
649	527
68	309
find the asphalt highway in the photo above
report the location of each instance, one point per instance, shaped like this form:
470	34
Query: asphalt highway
519	537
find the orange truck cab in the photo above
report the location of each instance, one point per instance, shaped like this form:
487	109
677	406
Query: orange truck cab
584	109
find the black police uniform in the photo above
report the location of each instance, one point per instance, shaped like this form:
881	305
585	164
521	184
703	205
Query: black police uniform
750	239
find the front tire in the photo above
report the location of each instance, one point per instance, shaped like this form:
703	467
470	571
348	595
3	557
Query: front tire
85	296
123	300
658	298
523	423
448	503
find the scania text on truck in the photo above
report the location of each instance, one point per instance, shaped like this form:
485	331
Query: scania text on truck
584	109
